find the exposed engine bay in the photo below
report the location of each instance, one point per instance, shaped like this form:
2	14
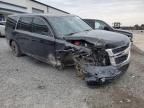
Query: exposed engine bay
94	68
93	63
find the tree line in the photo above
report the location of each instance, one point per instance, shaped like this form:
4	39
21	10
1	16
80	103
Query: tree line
135	27
139	27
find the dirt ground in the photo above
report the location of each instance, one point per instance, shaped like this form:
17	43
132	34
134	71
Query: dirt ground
28	83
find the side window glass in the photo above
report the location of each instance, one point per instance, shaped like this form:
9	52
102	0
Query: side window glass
97	25
100	25
11	22
24	24
39	26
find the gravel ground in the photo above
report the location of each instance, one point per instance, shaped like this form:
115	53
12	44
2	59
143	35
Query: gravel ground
139	40
28	83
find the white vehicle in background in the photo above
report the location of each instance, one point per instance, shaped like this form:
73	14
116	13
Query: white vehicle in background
2	28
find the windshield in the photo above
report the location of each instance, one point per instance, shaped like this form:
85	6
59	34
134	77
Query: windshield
68	25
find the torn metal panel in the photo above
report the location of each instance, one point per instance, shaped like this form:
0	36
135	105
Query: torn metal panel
100	74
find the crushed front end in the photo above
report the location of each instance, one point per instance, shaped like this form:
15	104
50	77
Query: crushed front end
101	65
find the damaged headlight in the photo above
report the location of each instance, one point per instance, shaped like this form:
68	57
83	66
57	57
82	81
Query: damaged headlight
100	44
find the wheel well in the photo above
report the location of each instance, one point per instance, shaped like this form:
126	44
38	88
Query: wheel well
10	42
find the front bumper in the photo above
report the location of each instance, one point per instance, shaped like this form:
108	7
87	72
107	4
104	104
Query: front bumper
101	75
104	74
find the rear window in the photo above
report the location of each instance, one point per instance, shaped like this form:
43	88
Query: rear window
24	24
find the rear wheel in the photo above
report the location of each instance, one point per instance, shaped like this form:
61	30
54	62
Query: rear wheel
15	49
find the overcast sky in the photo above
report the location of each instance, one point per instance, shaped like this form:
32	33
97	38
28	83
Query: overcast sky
128	12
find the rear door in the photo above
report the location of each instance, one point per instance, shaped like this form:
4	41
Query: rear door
23	32
42	41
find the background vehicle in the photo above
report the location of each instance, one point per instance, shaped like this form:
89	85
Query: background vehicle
99	24
61	40
2	28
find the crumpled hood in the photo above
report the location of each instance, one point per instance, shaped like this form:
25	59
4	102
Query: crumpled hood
109	39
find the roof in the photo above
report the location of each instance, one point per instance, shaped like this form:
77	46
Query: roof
50	6
49	15
92	19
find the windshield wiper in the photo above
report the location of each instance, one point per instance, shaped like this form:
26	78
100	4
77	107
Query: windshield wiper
71	33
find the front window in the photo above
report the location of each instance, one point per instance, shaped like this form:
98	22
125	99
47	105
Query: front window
68	25
100	25
39	26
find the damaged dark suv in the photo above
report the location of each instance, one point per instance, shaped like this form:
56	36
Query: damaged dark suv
98	56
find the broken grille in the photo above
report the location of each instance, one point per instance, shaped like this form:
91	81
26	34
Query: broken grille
120	49
121	55
121	59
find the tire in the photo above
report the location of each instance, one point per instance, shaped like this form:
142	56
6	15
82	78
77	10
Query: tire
15	49
79	71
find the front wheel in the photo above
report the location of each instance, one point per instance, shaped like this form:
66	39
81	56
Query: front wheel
79	71
15	49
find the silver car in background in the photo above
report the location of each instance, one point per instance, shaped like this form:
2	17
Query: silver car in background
2	28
